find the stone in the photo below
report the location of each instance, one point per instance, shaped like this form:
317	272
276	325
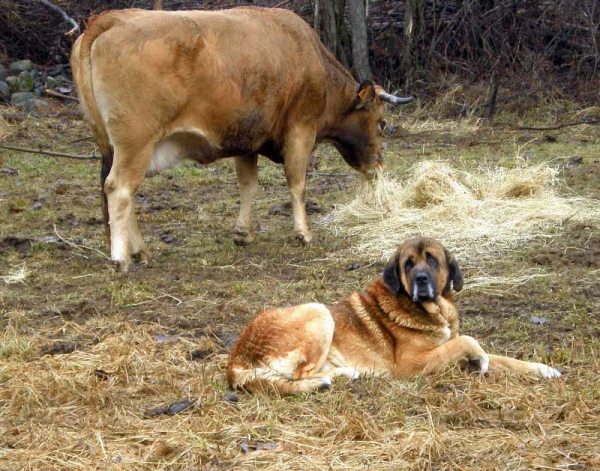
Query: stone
4	91
20	97
52	83
10	80
19	66
2	72
35	104
20	84
24	83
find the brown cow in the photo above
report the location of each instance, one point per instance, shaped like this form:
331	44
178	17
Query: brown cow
158	87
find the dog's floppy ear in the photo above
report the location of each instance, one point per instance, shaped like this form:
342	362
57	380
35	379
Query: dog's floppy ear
454	274
391	276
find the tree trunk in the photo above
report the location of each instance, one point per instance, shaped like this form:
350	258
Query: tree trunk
414	25
492	95
360	42
329	21
158	4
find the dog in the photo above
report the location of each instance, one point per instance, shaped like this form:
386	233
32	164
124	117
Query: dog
402	325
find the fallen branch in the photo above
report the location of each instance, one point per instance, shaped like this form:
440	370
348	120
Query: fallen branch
52	154
21	116
54	94
77	246
559	126
66	17
328	174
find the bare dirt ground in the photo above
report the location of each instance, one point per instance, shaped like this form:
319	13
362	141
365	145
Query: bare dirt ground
88	358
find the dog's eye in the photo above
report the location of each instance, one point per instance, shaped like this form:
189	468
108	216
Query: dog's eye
409	265
432	261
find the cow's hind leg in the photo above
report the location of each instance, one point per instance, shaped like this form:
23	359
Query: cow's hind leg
299	145
247	177
126	175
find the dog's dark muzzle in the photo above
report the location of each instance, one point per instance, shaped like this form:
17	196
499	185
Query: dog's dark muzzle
423	288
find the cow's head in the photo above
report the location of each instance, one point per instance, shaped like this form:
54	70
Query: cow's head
359	134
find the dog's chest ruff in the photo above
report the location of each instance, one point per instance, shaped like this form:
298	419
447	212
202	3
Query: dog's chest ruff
437	319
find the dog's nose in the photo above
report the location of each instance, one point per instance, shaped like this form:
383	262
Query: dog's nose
422	278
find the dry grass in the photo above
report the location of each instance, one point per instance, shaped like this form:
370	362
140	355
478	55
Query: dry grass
480	215
131	336
85	410
423	124
15	275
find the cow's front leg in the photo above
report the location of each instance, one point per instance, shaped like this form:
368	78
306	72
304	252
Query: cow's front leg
247	177
297	151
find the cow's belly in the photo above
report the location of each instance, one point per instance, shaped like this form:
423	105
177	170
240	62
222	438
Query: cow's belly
180	146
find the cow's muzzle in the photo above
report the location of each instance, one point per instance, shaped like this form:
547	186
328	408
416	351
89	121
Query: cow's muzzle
371	172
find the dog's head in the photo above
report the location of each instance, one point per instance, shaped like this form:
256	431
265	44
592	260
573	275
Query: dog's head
422	269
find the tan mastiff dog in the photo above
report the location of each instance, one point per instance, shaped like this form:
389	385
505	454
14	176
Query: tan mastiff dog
403	324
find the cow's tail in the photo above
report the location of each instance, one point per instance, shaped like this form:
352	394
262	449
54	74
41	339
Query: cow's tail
81	65
267	380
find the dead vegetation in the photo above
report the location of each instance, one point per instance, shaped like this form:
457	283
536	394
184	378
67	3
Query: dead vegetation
94	366
479	214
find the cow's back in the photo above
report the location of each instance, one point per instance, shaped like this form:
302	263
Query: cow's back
238	77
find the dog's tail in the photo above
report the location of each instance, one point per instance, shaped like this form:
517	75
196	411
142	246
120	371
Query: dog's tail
267	380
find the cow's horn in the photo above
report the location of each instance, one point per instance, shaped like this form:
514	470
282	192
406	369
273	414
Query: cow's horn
394	100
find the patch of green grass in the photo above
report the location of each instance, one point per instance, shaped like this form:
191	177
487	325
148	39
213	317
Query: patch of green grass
14	347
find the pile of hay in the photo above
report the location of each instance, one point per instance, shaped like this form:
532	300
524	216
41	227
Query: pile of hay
477	215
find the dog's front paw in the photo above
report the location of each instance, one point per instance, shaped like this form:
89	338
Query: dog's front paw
546	372
326	383
478	363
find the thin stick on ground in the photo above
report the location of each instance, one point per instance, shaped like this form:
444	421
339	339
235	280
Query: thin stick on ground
54	94
52	153
77	246
21	116
558	126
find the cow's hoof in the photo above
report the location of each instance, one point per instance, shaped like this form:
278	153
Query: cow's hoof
142	256
121	265
304	239
242	237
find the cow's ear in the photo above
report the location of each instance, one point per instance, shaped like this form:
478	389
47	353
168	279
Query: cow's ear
365	97
391	276
454	274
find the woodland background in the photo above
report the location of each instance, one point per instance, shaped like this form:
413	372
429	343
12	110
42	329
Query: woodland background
485	54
